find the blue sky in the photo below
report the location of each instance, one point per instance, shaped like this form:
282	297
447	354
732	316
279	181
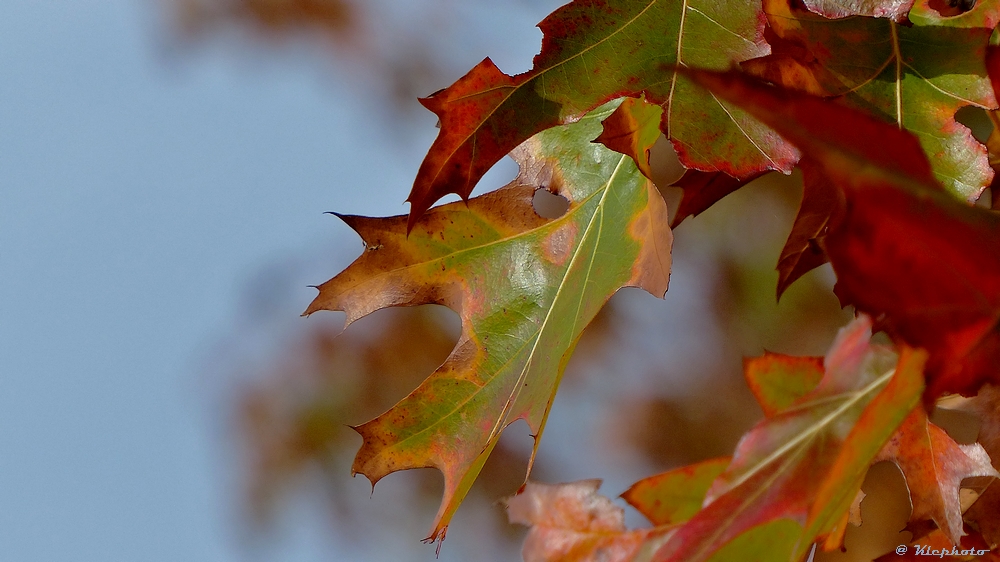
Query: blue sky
142	187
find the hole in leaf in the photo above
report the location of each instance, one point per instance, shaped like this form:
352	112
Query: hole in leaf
884	511
976	119
963	427
665	164
951	8
988	200
548	205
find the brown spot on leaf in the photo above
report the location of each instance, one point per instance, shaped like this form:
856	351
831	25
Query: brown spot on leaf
558	246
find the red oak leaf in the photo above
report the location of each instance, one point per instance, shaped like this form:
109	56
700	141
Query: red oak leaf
594	51
803	250
704	189
922	262
632	130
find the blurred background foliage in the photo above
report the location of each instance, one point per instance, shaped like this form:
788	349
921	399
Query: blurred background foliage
653	385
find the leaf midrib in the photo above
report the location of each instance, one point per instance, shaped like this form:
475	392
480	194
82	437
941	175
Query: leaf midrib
814	429
796	452
537	335
599	210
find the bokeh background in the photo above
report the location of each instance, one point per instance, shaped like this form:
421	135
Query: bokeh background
164	170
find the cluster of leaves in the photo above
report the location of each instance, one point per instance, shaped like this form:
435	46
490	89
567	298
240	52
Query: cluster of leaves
862	96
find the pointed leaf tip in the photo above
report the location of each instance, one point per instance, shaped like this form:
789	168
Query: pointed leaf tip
822	203
673	497
704	189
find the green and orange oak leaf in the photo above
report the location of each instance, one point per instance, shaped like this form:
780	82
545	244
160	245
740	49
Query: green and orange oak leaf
673	497
775	497
524	287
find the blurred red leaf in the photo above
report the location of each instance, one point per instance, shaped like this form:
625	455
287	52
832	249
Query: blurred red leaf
803	250
337	17
704	189
925	264
930	267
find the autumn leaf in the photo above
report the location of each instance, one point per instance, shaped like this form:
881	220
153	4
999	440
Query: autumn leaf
924	263
934	466
931	267
674	496
932	463
803	250
805	463
594	51
778	380
704	189
573	523
525	287
915	77
982	515
632	130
